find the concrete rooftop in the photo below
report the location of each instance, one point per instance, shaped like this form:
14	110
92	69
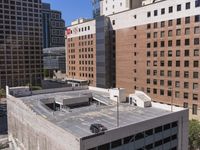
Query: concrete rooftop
77	121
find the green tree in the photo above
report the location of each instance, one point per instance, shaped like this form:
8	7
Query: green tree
194	134
2	93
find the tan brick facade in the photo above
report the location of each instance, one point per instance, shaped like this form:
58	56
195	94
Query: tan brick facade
144	55
81	58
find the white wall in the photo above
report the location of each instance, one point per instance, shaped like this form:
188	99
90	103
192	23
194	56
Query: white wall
127	19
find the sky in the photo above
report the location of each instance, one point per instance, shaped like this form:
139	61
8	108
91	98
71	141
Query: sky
72	9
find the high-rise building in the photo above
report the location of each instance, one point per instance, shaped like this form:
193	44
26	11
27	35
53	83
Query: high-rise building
85	118
53	27
155	48
20	42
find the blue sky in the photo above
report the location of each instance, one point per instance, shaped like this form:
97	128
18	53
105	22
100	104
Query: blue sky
72	9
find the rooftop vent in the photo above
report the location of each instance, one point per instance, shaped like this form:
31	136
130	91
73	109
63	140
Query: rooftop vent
97	128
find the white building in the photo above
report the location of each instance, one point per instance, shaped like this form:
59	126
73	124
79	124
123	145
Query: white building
86	119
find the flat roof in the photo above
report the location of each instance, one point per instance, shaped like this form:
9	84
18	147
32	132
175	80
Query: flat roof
77	121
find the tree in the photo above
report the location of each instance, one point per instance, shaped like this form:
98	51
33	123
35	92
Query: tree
194	134
2	93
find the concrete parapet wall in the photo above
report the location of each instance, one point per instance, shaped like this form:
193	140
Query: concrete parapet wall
30	131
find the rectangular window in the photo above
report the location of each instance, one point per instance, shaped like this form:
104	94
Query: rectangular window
155	12
185	95
196	41
170	9
185	105
195	97
179	7
197	30
196	52
187	5
196	64
197	3
194	109
195	75
178	21
187	31
148	14
197	18
170	23
162	11
187	20
178	32
177	74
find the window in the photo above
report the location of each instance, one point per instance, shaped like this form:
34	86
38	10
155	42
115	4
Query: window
179	7
162	82
170	63
194	109
187	31
197	30
178	53
170	9
185	95
162	11
148	35
155	12
195	75
116	143
162	53
162	43
185	105
163	24
170	53
197	18
178	42
187	5
169	93
178	32
155	25
196	41
162	73
186	85
187	52
196	64
170	43
196	52
197	3
186	74
195	97
169	74
178	21
195	86
162	92
187	20
187	42
177	84
186	63
177	94
178	63
170	33
170	23
149	14
162	34
113	22
148	26
177	73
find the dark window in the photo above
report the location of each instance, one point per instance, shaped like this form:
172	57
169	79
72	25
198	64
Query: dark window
128	139
104	147
158	143
158	129
187	20
196	41
197	18
149	14
178	21
149	132
155	12
187	5
162	11
179	7
197	3
167	126
174	124
171	9
116	143
139	136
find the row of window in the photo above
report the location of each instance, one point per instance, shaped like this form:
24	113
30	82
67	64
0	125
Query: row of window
186	53
177	74
170	22
171	8
142	136
170	43
196	30
186	63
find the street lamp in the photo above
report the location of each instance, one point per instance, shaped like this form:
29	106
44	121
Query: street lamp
117	110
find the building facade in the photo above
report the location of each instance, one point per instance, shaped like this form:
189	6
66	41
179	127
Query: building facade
53	27
71	113
54	60
154	48
20	42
